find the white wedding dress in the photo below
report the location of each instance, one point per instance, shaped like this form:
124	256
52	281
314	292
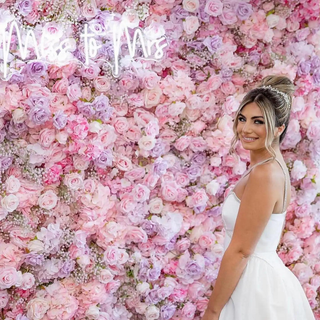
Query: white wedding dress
267	289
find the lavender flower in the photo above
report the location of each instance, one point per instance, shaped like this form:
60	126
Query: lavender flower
153	297
150	227
199	158
160	166
315	62
25	7
213	43
39	115
167	311
38	101
226	74
14	130
34	259
86	108
17	78
36	69
304	68
105	159
193	172
60	120
154	273
5	162
101	103
243	10
316	76
159	149
193	269
67	268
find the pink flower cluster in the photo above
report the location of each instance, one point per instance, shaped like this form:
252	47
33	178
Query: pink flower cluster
111	188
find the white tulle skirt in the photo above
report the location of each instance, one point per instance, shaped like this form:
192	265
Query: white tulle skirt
267	290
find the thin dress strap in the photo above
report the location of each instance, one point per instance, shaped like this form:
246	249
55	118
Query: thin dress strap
285	186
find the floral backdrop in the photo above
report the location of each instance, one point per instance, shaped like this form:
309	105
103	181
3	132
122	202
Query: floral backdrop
111	186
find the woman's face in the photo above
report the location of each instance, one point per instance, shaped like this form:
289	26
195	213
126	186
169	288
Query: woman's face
251	127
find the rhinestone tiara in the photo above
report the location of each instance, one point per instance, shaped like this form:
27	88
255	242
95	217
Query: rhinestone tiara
283	95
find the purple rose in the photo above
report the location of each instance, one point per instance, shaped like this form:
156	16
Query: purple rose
154	273
243	10
150	227
199	158
213	43
106	51
178	13
159	149
167	311
34	259
315	62
304	68
60	120
67	268
226	74
36	69
160	166
86	109
193	172
197	45
2	135
153	297
21	317
5	162
316	76
105	159
14	130
193	269
254	57
39	115
199	209
100	103
17	78
25	7
142	274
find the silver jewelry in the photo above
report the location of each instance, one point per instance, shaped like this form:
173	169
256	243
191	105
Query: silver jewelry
283	95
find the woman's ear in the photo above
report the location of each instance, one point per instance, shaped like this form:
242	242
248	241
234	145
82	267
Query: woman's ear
279	130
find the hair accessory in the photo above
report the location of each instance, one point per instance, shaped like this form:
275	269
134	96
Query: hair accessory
283	95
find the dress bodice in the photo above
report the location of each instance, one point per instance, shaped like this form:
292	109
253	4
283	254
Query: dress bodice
271	235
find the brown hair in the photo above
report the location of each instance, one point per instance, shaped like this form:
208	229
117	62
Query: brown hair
274	98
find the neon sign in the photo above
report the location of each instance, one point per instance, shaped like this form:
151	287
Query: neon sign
55	51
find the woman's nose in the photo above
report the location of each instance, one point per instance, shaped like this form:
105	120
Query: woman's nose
246	127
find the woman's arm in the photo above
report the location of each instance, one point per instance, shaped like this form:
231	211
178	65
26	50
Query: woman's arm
254	213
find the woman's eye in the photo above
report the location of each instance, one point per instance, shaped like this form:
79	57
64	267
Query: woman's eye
240	119
259	122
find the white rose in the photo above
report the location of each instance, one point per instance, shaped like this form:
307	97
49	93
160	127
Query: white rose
147	142
152	313
212	187
93	312
28	281
272	20
62	137
105	276
143	287
156	205
10	202
190	5
73	181
48	200
36	246
95	126
12	184
176	108
37	308
19	116
191	24
80	163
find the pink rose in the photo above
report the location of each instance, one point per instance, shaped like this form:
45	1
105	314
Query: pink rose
190	5
77	127
121	125
105	276
188	310
140	193
169	191
182	143
73	181
136	234
91	71
299	170
182	179
74	92
10	202
152	128
152	97
198	144
151	80
191	24
4	298
182	245
114	256
147	143
123	163
48	200
37	308
303	272
102	84
213	7
107	135
12	184
176	108
28	281
8	277
61	86
47	137
134	133
155	205
198	199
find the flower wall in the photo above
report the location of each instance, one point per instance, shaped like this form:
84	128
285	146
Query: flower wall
111	187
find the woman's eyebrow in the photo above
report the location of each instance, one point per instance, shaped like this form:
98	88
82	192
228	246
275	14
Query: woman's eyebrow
240	114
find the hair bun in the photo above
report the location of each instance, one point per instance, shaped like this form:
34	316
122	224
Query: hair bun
281	83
